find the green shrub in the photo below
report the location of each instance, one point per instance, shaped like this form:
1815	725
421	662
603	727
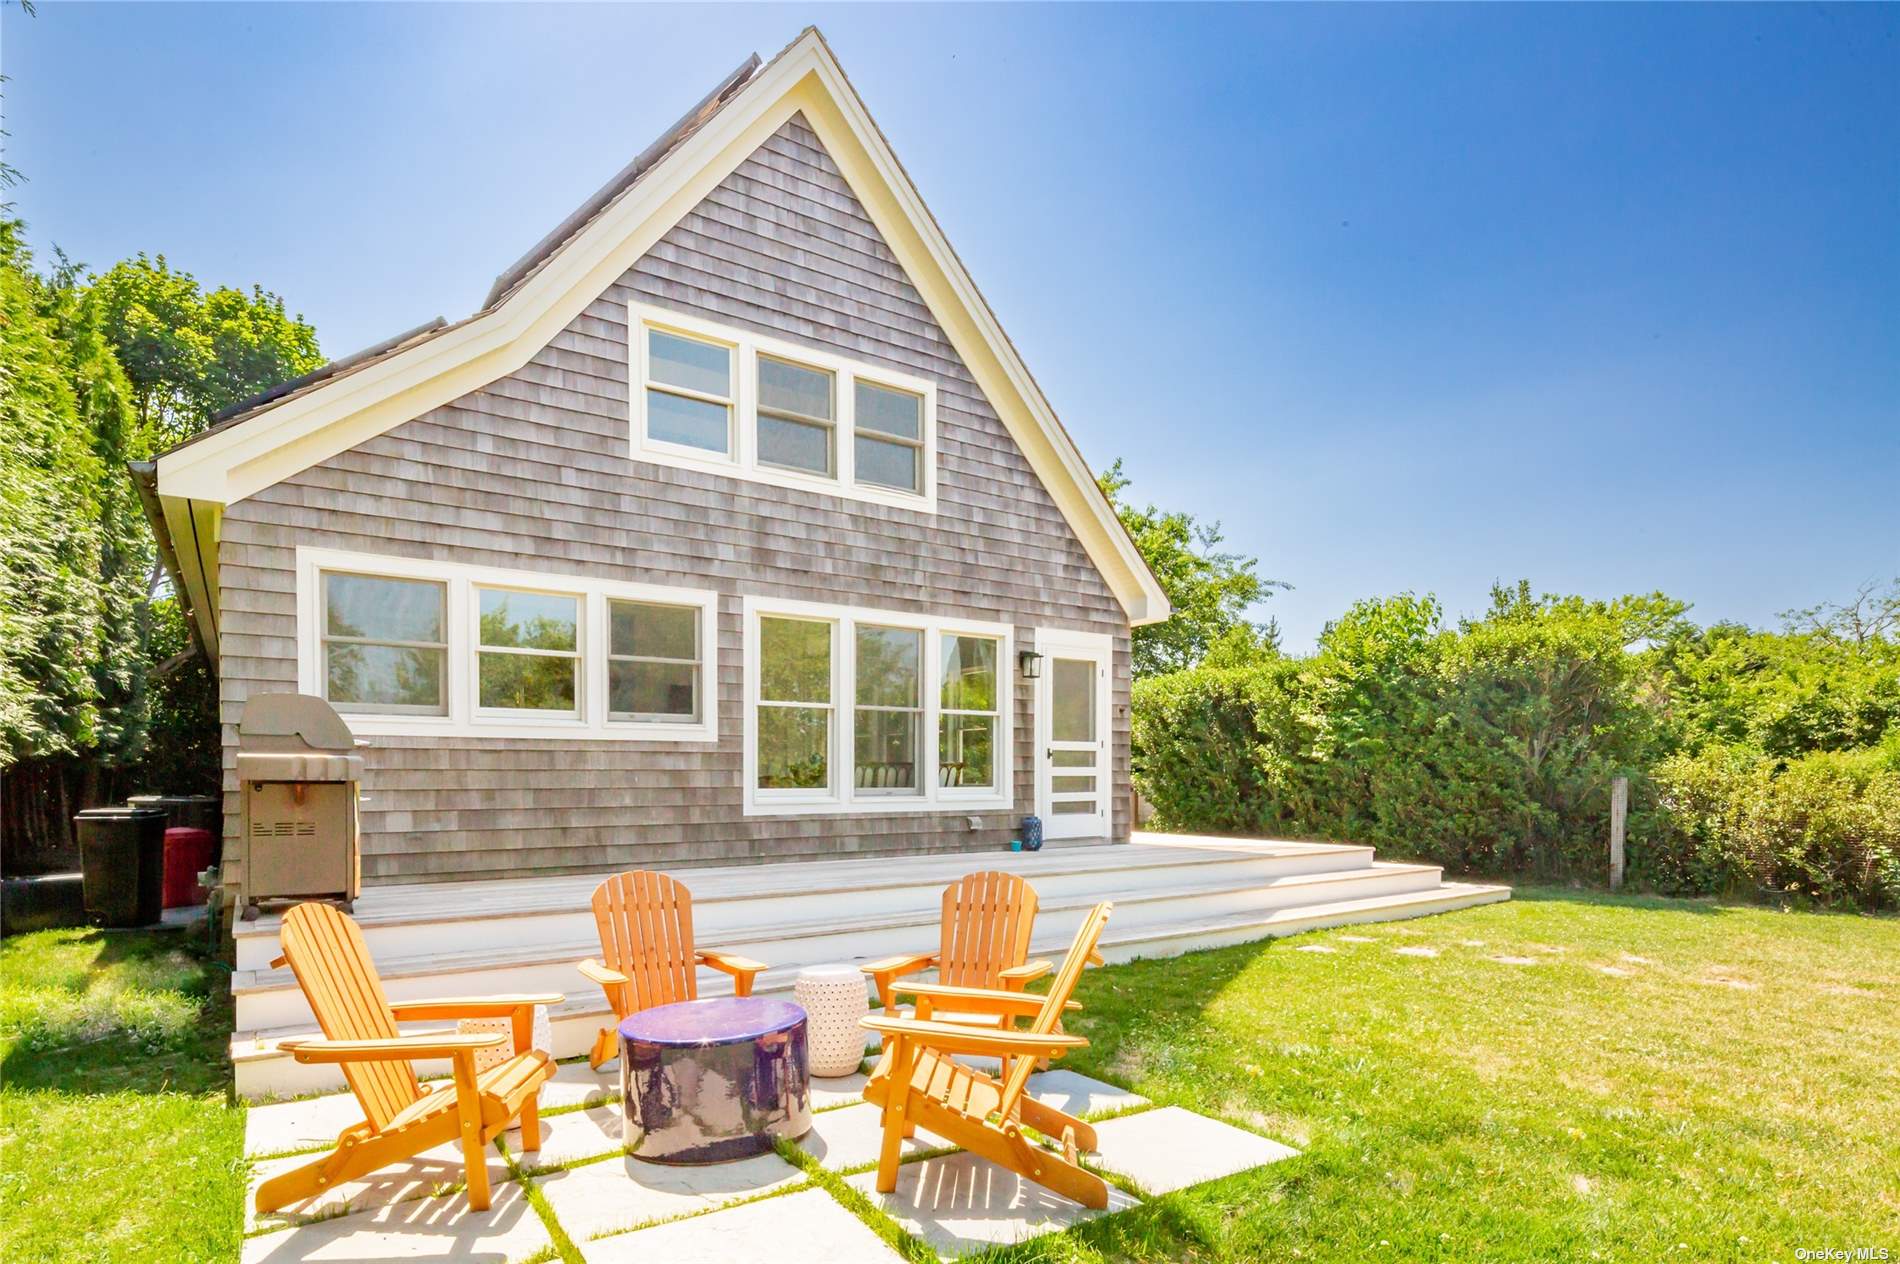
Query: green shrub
1825	826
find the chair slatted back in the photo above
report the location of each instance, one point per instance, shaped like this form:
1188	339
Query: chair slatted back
1061	988
333	967
987	919
646	933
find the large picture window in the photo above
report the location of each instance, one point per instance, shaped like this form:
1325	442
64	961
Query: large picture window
414	647
741	404
384	644
865	711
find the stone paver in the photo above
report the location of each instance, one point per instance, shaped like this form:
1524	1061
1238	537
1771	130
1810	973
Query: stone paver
576	1135
851	1137
830	1091
1315	948
1170	1148
960	1204
1077	1094
810	1227
419	1177
1416	950
422	1229
576	1084
288	1127
621	1192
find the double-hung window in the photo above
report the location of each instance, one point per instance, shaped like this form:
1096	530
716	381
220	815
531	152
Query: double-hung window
384	644
890	437
746	405
528	652
888	728
971	716
689	391
796	423
653	666
853	710
794	704
416	647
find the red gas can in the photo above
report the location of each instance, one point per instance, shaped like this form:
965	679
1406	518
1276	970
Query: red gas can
187	853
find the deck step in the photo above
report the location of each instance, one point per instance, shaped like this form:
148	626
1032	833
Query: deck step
263	1069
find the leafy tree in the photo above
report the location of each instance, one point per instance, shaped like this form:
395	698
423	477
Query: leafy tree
189	353
1211	590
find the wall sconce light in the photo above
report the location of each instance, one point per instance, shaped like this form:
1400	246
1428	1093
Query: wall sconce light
1031	663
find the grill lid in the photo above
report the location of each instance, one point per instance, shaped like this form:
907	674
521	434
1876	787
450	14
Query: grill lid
295	737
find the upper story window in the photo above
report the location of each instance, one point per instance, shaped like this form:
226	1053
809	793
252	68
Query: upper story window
413	647
771	411
689	392
890	438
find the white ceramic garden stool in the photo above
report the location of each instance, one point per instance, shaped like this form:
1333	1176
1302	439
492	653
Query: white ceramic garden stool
485	1058
834	999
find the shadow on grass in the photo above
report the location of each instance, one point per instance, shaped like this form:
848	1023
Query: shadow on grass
109	985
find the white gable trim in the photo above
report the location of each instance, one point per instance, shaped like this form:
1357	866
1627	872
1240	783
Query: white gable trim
304	430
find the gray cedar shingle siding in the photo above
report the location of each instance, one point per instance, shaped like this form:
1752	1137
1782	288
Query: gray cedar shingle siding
533	471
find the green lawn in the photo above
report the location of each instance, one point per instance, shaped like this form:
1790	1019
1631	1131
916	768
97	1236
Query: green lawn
1730	1092
116	1139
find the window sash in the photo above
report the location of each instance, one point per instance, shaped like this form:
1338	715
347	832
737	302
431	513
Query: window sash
728	401
326	639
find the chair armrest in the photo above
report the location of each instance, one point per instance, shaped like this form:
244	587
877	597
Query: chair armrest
1026	972
471	1006
602	975
401	1049
983	1000
908	963
729	962
955	1038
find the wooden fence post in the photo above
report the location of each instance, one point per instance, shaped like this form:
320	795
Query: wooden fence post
1619	813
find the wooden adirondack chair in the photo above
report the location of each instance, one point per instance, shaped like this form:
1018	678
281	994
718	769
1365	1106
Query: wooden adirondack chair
987	920
400	1118
646	941
920	1084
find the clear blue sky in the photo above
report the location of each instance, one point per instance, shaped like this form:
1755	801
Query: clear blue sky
1406	297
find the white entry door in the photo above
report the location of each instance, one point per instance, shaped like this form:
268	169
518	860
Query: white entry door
1072	734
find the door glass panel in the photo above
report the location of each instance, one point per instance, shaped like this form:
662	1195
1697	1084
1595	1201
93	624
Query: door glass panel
1075	785
1072	709
1072	759
1072	807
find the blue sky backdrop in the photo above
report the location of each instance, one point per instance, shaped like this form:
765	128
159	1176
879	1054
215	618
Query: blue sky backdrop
1406	297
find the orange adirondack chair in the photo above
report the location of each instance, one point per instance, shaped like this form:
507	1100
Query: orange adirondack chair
326	953
987	920
919	1084
646	940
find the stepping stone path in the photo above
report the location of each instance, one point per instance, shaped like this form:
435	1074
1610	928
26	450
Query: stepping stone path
1355	939
1516	961
1416	952
615	1208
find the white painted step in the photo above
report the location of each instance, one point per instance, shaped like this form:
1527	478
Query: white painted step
262	1069
734	901
270	998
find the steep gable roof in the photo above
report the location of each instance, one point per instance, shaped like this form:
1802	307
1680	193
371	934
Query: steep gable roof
292	428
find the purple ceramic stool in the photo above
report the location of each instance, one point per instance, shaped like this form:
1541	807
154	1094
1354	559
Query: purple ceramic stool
714	1080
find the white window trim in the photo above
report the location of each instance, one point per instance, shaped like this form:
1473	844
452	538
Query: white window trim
842	797
464	718
743	461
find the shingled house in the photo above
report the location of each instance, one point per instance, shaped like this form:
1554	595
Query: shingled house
731	528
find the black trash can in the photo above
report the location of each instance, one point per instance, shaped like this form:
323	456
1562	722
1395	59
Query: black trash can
122	860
